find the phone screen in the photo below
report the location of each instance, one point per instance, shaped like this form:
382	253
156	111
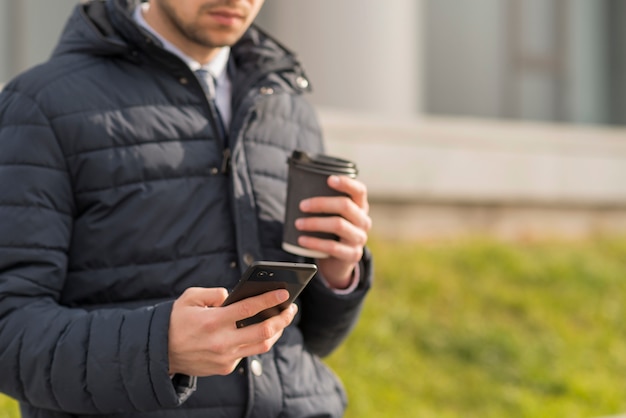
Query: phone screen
265	276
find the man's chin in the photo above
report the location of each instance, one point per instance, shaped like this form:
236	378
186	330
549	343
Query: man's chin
218	39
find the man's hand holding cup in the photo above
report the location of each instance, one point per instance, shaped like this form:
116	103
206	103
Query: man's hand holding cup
327	215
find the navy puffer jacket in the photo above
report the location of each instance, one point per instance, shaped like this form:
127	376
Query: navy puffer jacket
116	196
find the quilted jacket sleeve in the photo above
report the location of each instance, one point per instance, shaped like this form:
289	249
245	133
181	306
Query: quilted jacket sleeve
51	356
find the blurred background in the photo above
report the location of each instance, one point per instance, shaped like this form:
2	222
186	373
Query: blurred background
492	137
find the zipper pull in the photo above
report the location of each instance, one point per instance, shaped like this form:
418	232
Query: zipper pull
225	161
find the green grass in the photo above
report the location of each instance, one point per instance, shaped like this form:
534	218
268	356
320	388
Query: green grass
480	328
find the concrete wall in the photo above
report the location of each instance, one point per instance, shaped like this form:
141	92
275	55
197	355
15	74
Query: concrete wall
435	177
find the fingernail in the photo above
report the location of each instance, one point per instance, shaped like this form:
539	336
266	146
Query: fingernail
282	295
305	205
294	308
299	223
334	180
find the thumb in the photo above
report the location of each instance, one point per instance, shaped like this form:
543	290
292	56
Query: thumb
204	297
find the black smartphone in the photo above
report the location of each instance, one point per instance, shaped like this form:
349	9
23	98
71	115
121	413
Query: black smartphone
265	276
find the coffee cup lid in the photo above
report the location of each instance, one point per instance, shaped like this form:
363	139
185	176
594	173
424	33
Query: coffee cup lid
323	163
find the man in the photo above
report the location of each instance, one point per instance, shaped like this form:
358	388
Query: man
134	191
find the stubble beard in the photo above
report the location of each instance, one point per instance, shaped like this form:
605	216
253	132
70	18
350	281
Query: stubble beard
190	31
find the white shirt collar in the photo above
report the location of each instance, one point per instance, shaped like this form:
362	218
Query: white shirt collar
216	67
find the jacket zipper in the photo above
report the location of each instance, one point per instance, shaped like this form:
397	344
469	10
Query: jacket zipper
221	134
225	169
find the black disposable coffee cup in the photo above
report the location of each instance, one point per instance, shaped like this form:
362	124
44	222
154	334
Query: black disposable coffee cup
308	177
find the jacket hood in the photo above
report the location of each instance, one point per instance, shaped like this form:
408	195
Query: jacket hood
89	30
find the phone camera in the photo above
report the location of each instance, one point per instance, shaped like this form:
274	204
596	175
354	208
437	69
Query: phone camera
264	273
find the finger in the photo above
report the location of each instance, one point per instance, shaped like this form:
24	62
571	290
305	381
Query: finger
354	188
225	320
199	296
228	346
335	249
259	347
262	336
253	305
347	232
343	206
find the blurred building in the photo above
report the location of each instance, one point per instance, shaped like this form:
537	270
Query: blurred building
504	116
549	60
554	60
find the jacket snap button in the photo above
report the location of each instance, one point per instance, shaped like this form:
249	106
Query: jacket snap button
183	80
256	367
215	171
302	82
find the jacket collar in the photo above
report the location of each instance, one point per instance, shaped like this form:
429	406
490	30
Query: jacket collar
107	28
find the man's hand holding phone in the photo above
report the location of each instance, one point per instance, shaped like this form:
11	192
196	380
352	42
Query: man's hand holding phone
204	339
211	330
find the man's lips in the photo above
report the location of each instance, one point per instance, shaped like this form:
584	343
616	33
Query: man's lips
226	17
